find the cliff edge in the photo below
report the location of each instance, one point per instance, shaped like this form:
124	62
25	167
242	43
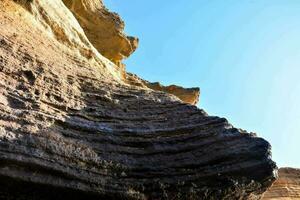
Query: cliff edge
73	125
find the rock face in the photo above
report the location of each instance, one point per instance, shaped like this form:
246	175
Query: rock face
104	29
72	126
287	187
188	95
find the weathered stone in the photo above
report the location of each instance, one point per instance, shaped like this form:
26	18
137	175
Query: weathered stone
104	29
187	95
70	127
287	187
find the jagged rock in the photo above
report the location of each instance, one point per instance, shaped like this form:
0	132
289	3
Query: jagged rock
70	127
104	29
188	95
287	187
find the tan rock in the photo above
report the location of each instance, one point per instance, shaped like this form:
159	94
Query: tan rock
187	95
287	187
104	29
60	23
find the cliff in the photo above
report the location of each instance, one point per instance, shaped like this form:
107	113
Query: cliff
104	29
287	187
73	124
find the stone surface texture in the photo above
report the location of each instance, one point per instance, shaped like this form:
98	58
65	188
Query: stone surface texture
287	187
187	95
71	125
104	29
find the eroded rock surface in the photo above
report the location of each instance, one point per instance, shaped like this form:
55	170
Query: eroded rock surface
187	95
71	127
104	29
287	187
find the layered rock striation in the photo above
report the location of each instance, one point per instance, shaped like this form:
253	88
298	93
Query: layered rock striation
187	95
72	126
287	187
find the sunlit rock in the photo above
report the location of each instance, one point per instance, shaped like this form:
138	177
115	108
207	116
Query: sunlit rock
287	187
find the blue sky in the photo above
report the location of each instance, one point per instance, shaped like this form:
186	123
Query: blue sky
244	55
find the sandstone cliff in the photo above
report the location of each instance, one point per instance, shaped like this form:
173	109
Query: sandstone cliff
287	187
104	29
73	125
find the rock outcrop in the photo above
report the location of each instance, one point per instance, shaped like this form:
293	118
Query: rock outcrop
104	29
287	187
71	125
187	95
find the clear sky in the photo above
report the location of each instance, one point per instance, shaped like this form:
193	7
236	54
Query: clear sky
243	54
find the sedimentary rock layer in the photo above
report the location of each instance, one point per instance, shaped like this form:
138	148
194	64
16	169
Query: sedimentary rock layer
70	127
287	187
187	95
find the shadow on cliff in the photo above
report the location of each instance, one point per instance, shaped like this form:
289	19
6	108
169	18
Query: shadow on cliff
132	143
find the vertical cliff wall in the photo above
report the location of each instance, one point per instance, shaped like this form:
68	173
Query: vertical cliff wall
72	126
